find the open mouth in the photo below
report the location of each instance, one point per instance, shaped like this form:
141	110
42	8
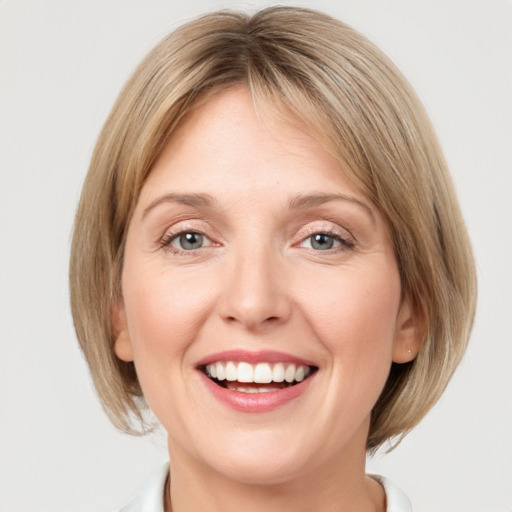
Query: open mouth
256	378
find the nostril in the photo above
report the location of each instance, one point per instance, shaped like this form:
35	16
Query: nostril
253	322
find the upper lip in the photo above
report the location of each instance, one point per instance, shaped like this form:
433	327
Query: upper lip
254	357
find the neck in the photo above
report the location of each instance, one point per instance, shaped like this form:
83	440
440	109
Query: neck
336	485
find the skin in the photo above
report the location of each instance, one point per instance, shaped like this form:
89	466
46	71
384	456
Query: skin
257	283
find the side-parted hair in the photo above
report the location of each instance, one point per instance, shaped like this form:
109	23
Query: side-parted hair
315	69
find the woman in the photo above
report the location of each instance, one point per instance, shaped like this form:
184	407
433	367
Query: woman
269	254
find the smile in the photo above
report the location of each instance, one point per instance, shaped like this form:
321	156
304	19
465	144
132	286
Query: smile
263	377
255	382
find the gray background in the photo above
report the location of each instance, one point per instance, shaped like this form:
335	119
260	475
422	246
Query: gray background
62	64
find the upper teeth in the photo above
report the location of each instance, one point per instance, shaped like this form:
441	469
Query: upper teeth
260	373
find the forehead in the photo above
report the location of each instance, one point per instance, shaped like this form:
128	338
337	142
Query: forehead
225	142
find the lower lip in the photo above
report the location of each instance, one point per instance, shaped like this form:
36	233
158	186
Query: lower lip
255	402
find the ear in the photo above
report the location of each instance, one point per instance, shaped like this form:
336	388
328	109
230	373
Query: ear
122	343
408	334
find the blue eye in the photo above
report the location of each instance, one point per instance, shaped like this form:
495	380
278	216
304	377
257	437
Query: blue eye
189	241
322	242
326	241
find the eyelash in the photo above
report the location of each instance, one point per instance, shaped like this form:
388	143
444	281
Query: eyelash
169	238
344	241
175	233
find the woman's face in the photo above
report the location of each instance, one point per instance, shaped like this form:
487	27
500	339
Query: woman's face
251	257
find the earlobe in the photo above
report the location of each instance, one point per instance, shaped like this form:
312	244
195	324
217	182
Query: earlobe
122	343
408	334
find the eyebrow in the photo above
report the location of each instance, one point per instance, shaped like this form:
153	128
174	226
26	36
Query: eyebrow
303	202
299	202
197	200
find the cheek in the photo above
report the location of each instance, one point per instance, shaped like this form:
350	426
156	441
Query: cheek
356	296
165	310
354	314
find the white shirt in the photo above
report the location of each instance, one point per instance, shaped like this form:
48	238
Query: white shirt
150	498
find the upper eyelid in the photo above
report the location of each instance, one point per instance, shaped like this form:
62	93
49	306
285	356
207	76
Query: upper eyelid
185	226
173	233
329	227
192	224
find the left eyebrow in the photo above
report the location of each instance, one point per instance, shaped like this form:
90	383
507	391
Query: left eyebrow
302	202
198	200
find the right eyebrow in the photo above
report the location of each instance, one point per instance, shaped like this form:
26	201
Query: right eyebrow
203	200
301	202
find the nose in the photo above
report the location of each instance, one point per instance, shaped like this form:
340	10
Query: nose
255	294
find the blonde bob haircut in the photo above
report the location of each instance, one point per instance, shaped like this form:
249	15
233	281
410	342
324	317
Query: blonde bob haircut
325	75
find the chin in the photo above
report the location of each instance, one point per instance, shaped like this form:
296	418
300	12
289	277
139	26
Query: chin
262	460
270	471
